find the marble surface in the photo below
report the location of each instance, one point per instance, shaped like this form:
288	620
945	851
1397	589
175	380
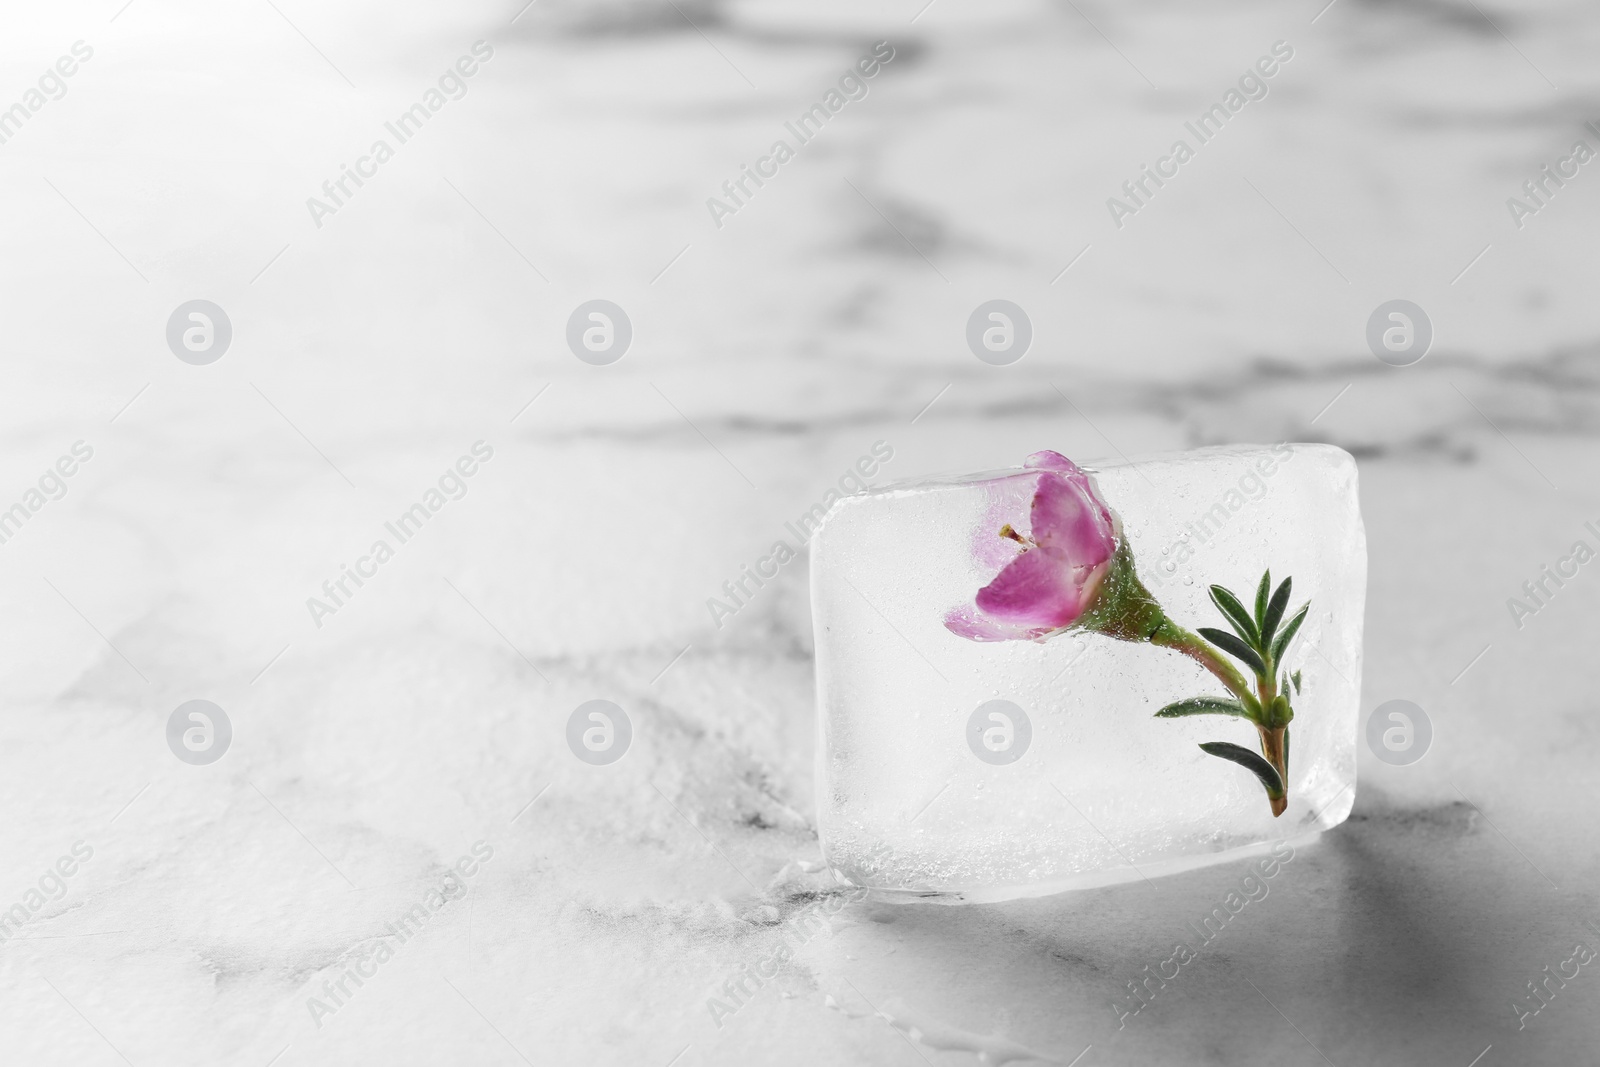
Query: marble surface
372	752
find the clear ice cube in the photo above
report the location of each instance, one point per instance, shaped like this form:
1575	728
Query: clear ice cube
908	802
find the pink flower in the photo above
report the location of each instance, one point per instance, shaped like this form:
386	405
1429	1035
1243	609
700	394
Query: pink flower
1066	552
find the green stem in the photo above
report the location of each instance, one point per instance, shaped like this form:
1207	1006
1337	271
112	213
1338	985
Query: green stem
1275	751
1170	635
1267	684
1125	610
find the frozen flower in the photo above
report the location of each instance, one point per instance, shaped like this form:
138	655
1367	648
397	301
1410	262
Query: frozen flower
1056	576
1074	570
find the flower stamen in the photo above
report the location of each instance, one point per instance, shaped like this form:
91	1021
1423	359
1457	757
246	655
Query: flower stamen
1010	534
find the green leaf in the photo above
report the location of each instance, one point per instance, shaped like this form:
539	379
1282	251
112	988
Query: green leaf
1281	644
1234	647
1237	617
1261	595
1280	601
1280	713
1204	706
1251	762
1295	678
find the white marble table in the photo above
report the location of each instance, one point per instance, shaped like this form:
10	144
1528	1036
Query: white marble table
426	714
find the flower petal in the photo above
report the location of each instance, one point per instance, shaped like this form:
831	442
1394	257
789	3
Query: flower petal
1067	520
1038	588
972	624
1080	478
1052	461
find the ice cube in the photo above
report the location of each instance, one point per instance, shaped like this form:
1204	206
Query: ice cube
921	790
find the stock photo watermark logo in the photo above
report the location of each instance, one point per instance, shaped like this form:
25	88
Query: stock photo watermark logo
1251	487
1538	591
367	958
854	480
1399	732
1252	85
1542	188
452	485
999	332
742	984
1399	333
999	732
1252	889
599	732
852	85
1541	994
199	332
52	886
199	732
599	332
52	485
52	85
452	85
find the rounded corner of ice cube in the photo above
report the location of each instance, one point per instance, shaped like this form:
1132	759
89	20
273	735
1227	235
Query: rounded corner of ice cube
1337	460
826	523
1338	812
